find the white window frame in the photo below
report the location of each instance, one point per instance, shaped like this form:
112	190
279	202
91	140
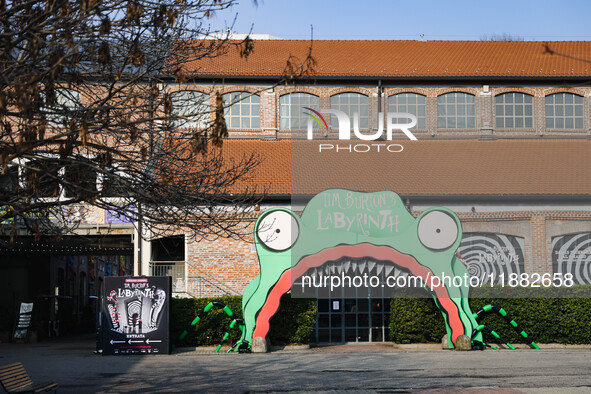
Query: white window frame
350	103
183	113
511	111
411	108
66	100
465	111
576	109
291	115
242	107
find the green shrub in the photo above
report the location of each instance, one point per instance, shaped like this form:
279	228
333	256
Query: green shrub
293	323
415	320
546	320
210	329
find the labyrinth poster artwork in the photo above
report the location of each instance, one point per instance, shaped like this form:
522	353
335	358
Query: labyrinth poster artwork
571	253
492	256
135	317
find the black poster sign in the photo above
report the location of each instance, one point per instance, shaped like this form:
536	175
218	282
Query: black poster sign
136	315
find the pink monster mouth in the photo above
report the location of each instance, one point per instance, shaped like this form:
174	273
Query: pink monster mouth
380	253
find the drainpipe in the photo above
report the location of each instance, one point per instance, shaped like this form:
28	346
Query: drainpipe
379	96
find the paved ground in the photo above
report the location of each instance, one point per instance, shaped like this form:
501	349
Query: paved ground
362	369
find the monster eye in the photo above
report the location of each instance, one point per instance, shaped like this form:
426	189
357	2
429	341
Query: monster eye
278	230
437	230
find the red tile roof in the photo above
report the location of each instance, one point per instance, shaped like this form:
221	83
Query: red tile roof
407	59
449	167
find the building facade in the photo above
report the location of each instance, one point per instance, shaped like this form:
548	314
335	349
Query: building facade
504	140
503	133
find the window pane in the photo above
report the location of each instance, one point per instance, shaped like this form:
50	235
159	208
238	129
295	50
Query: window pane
500	110
292	113
559	123
350	103
529	123
549	110
528	111
245	107
456	110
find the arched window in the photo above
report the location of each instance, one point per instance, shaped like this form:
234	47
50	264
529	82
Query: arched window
514	111
242	111
63	108
41	177
411	103
564	111
291	110
350	103
190	109
456	111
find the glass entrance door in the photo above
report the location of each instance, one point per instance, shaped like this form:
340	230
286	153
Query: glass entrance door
342	320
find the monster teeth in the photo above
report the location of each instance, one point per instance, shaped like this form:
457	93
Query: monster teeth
398	272
380	268
388	269
356	268
346	265
362	268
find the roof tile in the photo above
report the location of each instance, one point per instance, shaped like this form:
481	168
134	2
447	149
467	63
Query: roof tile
407	59
453	167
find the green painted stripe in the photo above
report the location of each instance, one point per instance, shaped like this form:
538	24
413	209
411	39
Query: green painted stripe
195	321
494	334
533	344
227	310
502	312
208	307
480	327
510	346
523	334
487	308
513	323
184	334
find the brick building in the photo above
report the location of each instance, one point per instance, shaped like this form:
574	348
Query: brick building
504	140
503	134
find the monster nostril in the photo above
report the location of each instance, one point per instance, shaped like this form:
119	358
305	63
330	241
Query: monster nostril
438	230
277	231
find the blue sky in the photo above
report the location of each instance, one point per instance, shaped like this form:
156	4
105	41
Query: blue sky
388	20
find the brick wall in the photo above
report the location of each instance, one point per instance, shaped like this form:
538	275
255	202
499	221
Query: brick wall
221	266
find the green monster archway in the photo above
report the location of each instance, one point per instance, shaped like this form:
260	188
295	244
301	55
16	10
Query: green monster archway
339	224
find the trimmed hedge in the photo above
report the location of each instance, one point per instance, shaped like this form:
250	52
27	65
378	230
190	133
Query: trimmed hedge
293	323
546	320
